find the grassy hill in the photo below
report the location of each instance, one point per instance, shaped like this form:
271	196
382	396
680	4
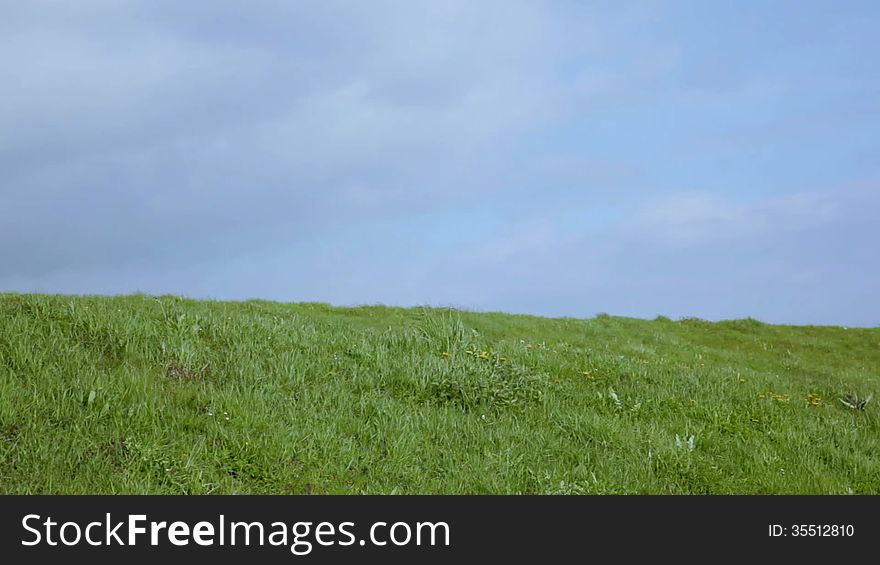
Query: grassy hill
141	394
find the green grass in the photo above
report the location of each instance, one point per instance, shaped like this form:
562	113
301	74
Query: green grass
139	394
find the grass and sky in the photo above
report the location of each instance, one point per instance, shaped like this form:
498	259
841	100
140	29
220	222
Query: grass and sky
356	247
142	394
556	158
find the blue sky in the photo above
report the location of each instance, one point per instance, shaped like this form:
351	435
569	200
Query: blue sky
565	158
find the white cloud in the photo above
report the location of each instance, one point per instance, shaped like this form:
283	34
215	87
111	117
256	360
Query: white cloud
696	217
166	122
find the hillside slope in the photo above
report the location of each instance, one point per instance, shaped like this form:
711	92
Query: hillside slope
142	394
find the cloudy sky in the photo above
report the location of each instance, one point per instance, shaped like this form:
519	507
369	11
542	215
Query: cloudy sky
558	158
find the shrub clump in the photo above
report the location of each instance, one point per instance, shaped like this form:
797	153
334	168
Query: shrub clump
485	386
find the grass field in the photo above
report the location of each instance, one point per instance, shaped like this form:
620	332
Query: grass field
143	394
